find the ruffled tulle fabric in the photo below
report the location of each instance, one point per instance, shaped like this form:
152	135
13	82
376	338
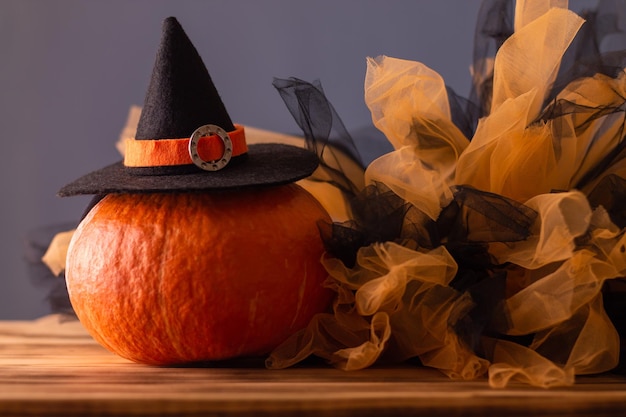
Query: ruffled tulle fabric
409	104
340	163
488	242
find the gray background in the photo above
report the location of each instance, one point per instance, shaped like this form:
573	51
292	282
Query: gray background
70	69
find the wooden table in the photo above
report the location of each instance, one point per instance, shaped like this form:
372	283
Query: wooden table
49	368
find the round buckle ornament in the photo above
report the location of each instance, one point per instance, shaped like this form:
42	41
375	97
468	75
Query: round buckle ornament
210	130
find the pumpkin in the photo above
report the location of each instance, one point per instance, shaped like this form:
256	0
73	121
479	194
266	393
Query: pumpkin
170	278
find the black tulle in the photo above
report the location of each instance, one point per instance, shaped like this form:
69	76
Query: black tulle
324	132
37	243
585	56
559	109
471	220
494	26
378	215
610	193
464	113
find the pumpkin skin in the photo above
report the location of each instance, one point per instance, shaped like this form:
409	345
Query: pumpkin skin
187	277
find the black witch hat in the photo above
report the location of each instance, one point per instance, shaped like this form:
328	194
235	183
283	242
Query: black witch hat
185	139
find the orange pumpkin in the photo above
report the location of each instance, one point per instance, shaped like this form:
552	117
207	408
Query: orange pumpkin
186	277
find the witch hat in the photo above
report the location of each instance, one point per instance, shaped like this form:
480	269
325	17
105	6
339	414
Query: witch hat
185	139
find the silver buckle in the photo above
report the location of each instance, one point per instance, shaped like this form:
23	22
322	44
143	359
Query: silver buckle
210	130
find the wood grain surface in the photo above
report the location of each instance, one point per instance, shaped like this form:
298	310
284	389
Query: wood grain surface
53	368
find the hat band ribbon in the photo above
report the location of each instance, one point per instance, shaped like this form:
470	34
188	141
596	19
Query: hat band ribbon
170	152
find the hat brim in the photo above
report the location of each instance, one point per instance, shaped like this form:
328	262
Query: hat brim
266	164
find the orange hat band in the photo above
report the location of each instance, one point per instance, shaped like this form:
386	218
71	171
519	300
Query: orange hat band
198	149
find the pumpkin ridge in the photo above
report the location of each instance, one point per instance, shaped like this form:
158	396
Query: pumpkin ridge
162	277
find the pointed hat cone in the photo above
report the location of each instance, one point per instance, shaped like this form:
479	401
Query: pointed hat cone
181	95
